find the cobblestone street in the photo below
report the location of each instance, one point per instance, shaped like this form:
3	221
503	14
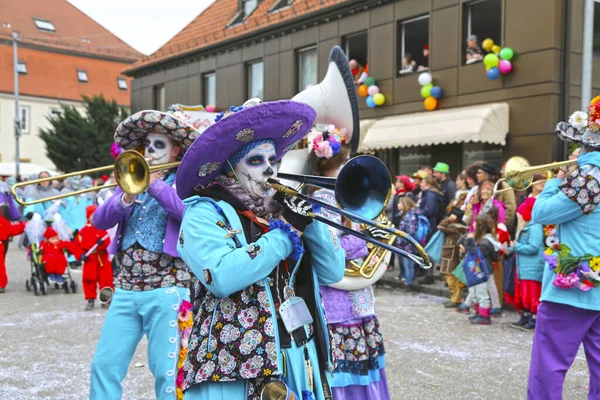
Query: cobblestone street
47	343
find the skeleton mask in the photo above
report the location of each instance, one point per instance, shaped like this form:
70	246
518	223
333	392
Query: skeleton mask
75	182
258	165
157	148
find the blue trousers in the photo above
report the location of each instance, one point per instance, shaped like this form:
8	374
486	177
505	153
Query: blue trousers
407	270
131	315
296	378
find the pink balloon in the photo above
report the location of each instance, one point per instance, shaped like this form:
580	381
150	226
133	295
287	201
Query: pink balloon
210	108
505	66
373	90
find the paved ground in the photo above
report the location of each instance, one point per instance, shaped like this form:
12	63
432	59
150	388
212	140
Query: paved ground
47	343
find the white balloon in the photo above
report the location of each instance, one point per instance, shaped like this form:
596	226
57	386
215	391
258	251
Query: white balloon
425	79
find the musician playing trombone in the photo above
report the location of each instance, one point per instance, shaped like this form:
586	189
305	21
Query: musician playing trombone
569	313
152	282
260	327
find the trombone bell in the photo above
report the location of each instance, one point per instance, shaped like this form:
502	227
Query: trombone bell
518	173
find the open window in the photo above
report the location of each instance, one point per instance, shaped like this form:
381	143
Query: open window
122	82
356	47
82	75
209	85
245	7
281	4
413	45
22	67
306	67
44	25
482	19
254	79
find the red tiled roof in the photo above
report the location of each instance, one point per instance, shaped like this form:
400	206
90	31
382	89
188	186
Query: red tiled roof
210	27
70	23
54	75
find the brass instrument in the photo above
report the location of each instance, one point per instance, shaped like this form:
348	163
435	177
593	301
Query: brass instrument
132	173
362	190
518	173
370	265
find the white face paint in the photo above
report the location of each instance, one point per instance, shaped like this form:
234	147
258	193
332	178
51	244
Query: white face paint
257	166
157	148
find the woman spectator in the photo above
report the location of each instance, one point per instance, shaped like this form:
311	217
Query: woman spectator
484	194
461	192
488	172
431	202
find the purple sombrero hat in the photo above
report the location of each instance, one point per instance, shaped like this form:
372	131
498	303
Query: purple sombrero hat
132	131
284	122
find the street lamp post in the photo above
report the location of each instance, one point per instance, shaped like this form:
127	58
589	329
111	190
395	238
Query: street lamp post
17	111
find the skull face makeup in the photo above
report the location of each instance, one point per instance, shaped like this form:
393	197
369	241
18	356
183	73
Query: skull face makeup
157	148
258	165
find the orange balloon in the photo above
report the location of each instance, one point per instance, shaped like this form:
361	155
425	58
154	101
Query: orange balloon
363	90
430	103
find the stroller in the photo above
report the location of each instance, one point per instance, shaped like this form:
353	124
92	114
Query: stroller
38	282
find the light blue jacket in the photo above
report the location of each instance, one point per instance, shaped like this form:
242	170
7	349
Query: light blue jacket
529	249
578	231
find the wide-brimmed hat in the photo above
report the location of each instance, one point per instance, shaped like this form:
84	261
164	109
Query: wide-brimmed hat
582	127
283	122
489	168
132	131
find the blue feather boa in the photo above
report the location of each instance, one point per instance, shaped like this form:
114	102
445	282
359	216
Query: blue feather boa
292	234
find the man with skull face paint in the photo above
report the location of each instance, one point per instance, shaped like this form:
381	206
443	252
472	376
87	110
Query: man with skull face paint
152	282
261	260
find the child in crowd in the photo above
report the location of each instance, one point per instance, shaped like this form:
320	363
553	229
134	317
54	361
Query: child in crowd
496	285
407	221
53	255
453	228
484	194
482	237
97	268
7	230
530	266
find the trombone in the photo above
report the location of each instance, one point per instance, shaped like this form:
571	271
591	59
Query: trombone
362	190
132	174
518	173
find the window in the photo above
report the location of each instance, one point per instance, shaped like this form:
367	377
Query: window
482	19
160	98
491	153
246	7
413	42
281	4
254	79
356	48
44	25
85	40
411	159
210	89
596	29
306	67
21	67
82	75
24	112
122	82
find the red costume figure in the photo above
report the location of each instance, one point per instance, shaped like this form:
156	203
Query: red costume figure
7	229
97	269
53	255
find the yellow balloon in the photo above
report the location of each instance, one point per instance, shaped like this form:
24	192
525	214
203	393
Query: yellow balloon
379	99
488	44
496	49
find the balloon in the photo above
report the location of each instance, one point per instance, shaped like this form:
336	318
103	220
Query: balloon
370	81
363	91
430	103
426	90
371	102
496	49
491	60
488	44
505	66
379	99
507	53
373	90
210	108
436	92
425	78
493	73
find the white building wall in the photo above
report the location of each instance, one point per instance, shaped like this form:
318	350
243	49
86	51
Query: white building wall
31	146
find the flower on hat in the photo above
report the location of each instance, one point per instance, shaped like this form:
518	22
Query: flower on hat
329	143
578	120
115	150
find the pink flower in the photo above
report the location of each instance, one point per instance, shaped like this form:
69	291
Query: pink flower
323	150
185	305
115	150
184	315
566	282
584	288
179	380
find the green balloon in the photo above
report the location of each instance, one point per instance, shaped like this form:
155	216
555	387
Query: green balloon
507	53
491	60
426	90
370	81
